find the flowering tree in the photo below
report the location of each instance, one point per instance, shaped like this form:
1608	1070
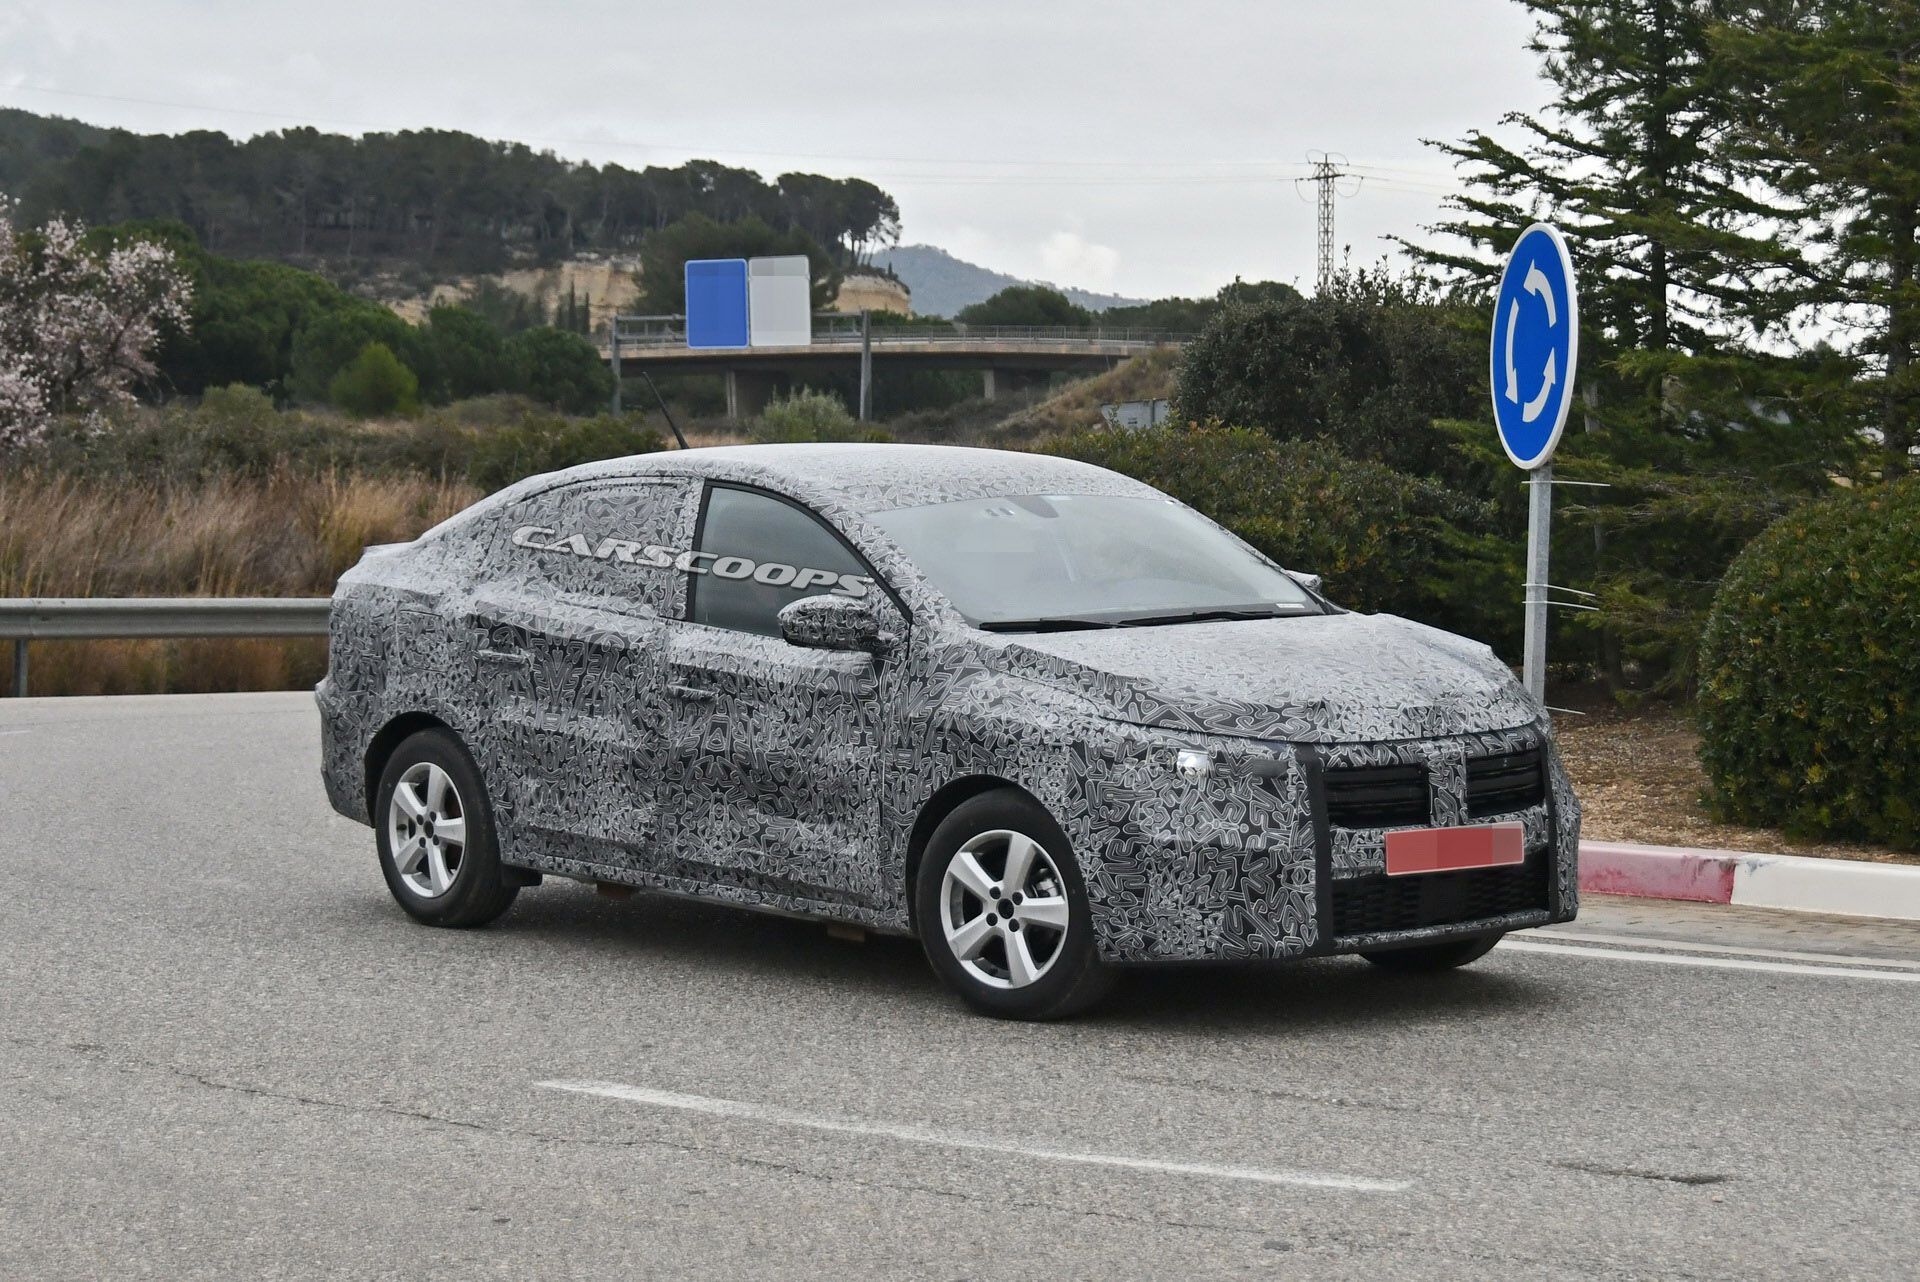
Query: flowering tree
78	326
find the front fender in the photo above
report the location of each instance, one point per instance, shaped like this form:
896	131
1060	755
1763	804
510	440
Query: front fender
1176	868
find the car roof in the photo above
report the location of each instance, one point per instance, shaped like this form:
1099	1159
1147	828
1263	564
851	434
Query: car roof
870	476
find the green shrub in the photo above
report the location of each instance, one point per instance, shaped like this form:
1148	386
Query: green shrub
469	357
331	340
1810	672
375	382
491	441
1026	305
1368	366
548	442
559	369
808	415
236	408
1383	541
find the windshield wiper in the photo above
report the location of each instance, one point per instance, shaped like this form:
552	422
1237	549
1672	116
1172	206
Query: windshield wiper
1043	625
1205	616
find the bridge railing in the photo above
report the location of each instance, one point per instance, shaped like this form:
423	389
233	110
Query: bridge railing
835	328
24	619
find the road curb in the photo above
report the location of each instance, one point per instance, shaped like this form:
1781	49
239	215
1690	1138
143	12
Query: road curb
1795	883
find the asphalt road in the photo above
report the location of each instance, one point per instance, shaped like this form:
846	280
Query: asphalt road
226	1052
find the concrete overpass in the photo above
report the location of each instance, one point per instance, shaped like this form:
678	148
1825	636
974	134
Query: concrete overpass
1007	356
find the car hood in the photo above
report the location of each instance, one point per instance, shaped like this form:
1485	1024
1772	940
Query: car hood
1319	679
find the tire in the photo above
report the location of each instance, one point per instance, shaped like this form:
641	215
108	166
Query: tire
1436	957
429	785
975	945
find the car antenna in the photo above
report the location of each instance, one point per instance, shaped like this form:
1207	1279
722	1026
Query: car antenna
646	374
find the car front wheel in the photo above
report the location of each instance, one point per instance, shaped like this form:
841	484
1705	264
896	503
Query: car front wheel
1003	914
436	836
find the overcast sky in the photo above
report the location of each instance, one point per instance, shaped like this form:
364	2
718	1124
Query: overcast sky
1145	149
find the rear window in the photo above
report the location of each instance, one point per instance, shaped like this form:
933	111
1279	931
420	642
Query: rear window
757	553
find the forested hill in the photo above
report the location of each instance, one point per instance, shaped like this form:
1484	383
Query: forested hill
438	201
30	145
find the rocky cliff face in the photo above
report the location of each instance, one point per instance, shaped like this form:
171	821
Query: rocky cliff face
605	285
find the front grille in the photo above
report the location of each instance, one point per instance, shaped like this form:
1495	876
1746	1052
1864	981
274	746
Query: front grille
1379	904
1377	796
1502	784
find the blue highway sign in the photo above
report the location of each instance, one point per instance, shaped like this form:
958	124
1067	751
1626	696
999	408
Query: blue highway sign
717	302
1536	346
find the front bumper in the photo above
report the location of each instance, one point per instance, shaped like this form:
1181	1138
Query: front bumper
1255	864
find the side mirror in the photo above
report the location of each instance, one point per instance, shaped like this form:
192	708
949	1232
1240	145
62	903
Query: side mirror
1311	582
833	623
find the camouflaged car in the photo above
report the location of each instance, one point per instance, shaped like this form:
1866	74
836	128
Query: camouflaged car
1040	715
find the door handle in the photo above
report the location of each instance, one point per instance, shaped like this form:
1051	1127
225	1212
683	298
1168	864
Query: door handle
692	694
506	659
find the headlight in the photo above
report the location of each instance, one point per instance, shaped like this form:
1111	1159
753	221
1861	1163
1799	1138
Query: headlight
1194	763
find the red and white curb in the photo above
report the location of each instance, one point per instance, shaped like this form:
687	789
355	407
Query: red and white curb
1795	883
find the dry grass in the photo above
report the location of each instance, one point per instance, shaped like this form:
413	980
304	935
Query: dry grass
701	435
288	535
1076	407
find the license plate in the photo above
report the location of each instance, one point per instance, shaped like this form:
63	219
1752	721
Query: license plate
1419	850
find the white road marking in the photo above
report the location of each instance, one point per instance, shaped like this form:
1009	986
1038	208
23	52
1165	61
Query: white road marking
1782	954
1715	963
4	732
958	1139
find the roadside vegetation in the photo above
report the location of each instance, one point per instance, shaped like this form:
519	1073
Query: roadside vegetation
286	533
1810	672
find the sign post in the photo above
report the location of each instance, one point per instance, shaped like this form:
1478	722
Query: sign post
1533	362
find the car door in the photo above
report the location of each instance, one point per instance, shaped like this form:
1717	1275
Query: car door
773	764
568	636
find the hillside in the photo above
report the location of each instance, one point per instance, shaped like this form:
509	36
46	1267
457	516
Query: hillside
943	284
414	216
1075	406
30	145
434	203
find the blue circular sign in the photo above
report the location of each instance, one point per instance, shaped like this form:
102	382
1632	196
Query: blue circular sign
1536	346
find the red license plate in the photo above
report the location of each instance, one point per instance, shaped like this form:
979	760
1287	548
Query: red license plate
1420	850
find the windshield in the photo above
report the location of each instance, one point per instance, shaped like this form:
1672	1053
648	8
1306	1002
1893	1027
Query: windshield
1078	560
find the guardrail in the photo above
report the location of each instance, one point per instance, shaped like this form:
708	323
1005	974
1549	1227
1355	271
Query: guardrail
24	619
836	328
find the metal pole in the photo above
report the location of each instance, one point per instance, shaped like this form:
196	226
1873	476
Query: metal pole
20	668
613	354
1539	539
866	364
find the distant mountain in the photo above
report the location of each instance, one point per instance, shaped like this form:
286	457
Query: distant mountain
943	284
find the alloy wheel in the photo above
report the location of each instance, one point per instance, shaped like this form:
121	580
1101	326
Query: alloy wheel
1003	908
427	830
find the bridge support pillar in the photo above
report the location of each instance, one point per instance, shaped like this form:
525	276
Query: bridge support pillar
747	394
995	383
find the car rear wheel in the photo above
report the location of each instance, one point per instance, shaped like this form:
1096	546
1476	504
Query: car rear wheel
1432	957
435	833
1003	913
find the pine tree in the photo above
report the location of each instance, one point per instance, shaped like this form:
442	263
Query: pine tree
1625	162
1824	98
1704	439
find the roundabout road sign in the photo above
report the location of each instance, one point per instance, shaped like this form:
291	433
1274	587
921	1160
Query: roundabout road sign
1536	346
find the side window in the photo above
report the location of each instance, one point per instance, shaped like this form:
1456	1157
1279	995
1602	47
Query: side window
757	553
611	542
